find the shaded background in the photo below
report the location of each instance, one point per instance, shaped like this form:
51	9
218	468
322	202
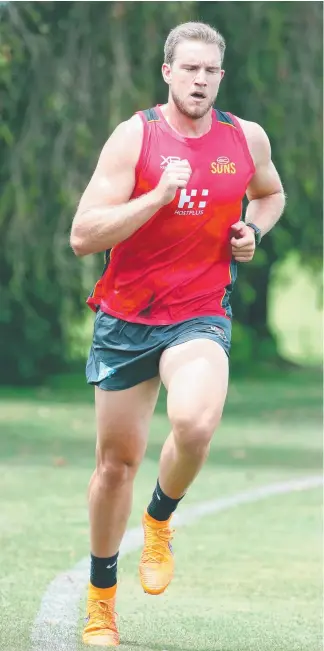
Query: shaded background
70	71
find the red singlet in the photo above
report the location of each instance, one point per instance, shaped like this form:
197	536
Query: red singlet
178	265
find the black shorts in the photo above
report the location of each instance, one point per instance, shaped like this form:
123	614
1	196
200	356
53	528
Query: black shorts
124	354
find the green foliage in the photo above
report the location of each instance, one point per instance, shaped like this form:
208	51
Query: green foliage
70	71
274	77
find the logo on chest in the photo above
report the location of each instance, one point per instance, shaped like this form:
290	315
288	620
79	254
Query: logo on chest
223	165
166	160
192	203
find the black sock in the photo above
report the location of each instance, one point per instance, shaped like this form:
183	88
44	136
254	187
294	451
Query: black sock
103	572
161	506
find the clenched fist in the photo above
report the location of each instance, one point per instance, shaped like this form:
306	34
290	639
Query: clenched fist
243	242
176	175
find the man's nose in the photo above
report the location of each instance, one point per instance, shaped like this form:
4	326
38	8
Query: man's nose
201	78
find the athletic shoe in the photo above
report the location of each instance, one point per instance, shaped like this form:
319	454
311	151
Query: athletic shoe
101	627
157	563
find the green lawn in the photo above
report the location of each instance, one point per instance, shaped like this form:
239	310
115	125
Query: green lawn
247	579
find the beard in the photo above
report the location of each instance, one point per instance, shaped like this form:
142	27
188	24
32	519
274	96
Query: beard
194	113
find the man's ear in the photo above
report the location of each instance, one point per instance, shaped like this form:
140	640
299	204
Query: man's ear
166	73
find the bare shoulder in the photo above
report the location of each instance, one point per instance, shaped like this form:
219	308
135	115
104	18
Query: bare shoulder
124	143
257	140
130	128
266	180
113	179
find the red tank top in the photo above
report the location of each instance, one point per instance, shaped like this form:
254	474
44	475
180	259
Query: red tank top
178	265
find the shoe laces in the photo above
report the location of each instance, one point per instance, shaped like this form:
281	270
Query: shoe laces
102	611
157	544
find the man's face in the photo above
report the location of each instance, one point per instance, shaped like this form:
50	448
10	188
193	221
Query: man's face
194	77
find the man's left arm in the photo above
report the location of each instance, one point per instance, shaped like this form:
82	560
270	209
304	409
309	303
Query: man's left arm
265	194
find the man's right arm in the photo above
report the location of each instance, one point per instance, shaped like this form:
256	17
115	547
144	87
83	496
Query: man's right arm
105	216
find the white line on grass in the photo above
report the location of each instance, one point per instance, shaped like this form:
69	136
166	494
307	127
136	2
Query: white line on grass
56	624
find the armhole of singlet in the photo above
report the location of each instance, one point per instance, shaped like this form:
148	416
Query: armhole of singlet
147	116
242	137
142	154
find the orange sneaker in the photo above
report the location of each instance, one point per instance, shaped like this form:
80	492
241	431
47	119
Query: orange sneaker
157	563
101	627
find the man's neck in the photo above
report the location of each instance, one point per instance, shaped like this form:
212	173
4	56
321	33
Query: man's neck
184	125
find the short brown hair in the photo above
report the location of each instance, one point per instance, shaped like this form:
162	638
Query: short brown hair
195	32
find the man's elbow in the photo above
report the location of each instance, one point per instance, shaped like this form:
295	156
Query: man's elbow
77	242
77	247
279	197
282	199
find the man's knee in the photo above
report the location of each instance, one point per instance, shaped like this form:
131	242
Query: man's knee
113	473
117	461
193	433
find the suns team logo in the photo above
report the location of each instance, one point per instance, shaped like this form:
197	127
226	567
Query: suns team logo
222	165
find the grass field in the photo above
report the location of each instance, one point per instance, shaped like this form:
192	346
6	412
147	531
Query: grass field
247	579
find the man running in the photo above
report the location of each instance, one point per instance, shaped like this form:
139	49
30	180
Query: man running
165	204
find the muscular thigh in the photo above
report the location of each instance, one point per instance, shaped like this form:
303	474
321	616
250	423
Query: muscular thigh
195	375
123	419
